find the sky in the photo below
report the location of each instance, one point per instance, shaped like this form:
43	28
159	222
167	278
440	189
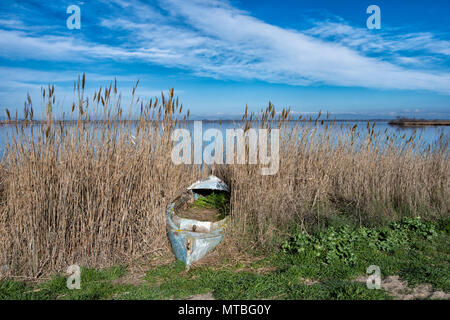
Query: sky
222	55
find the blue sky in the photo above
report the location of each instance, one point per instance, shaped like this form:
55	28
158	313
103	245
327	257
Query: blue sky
221	55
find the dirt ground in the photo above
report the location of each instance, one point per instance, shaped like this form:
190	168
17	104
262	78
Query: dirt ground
201	214
400	290
204	296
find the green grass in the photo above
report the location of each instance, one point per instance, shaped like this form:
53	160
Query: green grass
95	284
415	250
219	201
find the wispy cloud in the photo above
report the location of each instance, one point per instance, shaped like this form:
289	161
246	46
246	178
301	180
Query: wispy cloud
12	23
214	39
18	82
221	41
381	42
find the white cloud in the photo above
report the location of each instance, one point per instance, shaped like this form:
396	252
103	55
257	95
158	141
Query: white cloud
16	83
367	41
223	42
214	39
12	23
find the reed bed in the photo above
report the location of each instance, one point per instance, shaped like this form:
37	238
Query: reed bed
95	192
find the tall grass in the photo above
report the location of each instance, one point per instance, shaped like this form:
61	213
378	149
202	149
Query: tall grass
95	192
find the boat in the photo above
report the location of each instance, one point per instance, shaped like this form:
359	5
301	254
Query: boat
192	239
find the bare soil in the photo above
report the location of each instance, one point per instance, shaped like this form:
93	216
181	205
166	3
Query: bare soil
204	296
400	290
201	214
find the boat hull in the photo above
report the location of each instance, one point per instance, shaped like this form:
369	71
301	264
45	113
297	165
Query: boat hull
192	239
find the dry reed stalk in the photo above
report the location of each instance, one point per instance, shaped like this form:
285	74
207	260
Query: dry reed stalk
95	193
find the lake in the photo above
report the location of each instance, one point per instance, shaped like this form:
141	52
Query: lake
428	134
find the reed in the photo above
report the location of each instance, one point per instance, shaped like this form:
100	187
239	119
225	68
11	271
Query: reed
95	192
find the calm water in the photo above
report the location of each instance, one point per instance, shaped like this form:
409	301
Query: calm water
428	134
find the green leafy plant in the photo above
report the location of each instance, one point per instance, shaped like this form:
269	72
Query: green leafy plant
425	229
383	239
331	245
218	201
340	244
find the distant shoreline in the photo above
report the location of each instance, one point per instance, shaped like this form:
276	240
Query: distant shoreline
396	122
21	121
418	122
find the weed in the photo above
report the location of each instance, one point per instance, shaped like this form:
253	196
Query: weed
219	201
341	244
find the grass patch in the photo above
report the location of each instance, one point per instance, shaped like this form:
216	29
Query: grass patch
319	266
95	284
414	249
